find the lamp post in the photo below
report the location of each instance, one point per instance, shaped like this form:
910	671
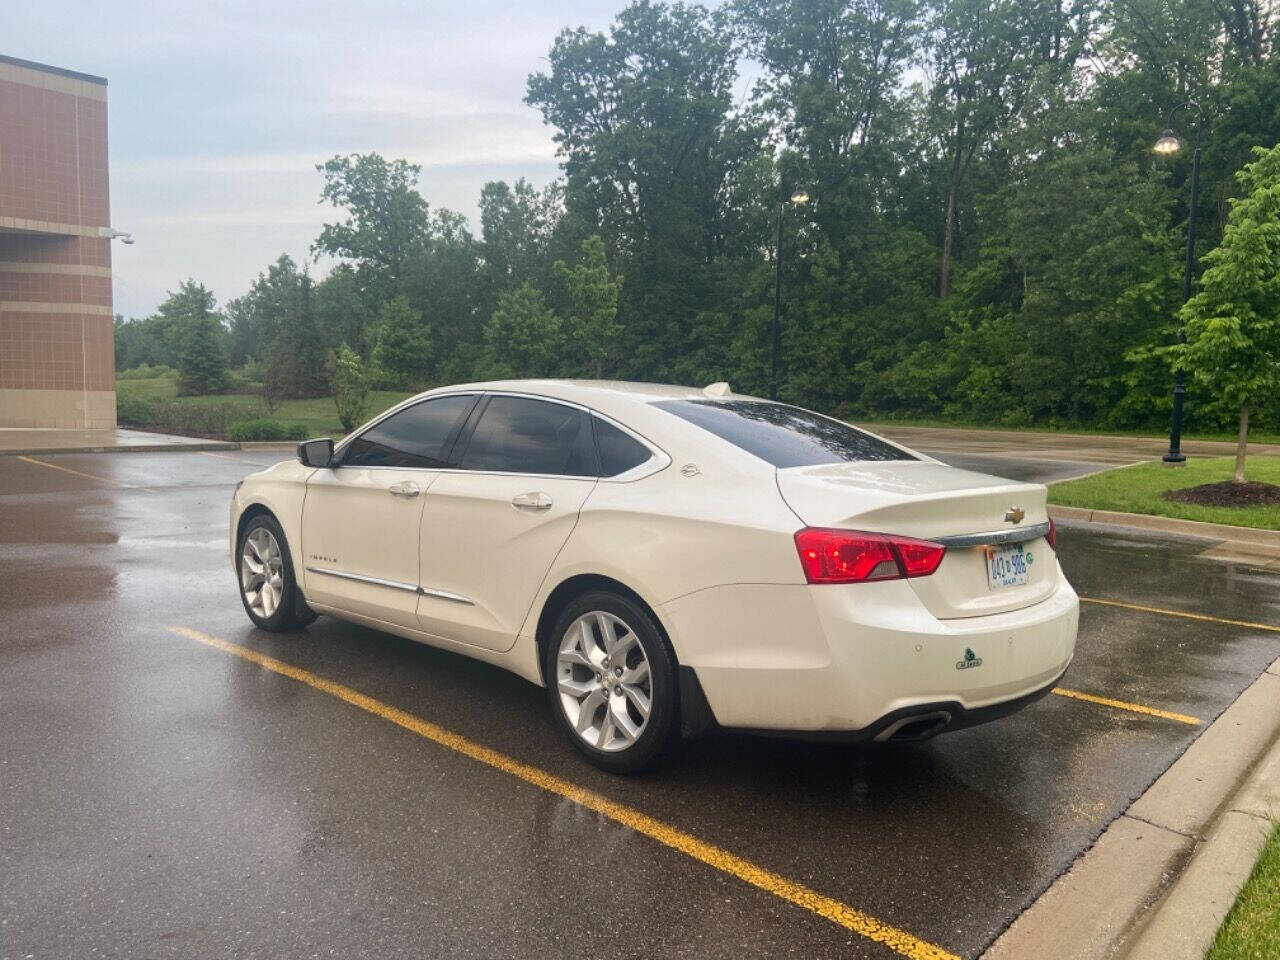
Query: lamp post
1167	145
798	196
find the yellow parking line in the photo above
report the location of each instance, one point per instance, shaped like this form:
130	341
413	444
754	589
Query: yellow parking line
838	913
1182	613
223	456
90	476
1131	707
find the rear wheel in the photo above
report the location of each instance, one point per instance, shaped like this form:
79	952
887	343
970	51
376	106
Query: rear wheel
268	588
611	679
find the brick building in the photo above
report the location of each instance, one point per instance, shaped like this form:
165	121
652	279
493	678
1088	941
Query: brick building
57	346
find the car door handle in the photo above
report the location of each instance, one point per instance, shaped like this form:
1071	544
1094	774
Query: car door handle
405	488
531	502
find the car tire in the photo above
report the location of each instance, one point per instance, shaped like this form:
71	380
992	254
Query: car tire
623	725
268	587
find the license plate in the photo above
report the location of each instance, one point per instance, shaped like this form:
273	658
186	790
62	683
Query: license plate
1006	566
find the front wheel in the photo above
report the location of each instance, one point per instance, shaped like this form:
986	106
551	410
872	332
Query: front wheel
268	588
611	679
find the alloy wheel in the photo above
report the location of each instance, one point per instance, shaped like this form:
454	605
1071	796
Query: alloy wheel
603	680
262	572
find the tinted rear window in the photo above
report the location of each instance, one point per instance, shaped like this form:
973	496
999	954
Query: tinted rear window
782	435
518	435
618	452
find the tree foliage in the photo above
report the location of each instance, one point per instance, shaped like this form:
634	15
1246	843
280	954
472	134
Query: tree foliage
197	329
1233	324
524	338
989	236
350	387
593	330
403	349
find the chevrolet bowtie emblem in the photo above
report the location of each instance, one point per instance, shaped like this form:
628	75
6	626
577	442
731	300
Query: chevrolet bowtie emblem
1014	514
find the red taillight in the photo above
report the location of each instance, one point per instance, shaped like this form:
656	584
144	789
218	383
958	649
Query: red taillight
1052	535
848	556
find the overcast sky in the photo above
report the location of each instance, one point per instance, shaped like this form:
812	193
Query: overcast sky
219	112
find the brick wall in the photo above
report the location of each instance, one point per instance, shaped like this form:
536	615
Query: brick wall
56	330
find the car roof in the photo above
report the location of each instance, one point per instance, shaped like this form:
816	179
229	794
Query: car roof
617	398
627	403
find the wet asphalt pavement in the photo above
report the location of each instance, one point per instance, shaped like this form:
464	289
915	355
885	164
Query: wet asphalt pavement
159	798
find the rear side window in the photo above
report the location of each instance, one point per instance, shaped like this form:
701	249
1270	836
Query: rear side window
518	435
417	436
783	435
618	452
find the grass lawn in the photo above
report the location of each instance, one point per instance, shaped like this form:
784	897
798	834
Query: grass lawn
1252	928
318	414
1256	435
1138	489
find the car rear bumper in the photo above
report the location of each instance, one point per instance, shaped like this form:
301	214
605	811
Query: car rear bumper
865	661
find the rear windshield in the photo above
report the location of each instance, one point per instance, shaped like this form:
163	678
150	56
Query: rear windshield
782	435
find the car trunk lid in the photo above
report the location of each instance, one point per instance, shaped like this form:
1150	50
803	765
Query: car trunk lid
932	501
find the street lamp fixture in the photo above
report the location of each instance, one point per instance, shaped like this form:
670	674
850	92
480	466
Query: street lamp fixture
1167	145
111	233
798	197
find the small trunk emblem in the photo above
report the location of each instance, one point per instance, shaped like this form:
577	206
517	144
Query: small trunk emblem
1014	514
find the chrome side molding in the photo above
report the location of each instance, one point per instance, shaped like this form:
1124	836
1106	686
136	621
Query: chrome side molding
446	595
394	585
1021	535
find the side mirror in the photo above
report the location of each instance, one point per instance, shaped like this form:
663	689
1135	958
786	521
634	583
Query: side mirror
316	453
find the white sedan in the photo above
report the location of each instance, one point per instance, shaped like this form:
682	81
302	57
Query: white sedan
669	560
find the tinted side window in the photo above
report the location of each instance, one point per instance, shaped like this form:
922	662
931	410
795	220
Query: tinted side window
516	435
782	435
618	452
417	436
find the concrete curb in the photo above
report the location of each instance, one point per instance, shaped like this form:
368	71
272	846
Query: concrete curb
1188	528
1190	836
291	446
126	448
1182	926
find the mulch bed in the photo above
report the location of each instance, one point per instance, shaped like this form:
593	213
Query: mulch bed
1228	494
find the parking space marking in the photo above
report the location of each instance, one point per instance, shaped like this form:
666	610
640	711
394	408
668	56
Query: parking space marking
718	858
90	476
223	456
1182	613
1131	707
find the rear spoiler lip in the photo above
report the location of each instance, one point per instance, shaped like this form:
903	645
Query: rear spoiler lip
1020	535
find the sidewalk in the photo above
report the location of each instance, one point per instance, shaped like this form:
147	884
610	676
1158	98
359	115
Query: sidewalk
15	441
1031	445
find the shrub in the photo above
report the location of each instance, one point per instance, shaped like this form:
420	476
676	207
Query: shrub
147	372
262	429
134	411
350	387
253	371
193	419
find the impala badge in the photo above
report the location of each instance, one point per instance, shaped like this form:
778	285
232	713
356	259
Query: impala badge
1014	514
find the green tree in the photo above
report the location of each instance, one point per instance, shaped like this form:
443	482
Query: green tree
523	338
192	323
1233	323
297	353
342	311
986	59
403	349
517	225
593	329
350	387
256	317
386	224
652	145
